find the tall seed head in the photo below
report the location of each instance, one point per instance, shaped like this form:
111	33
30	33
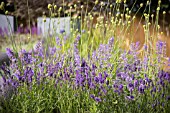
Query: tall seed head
102	3
158	26
141	5
6	12
2	5
55	7
152	15
96	2
159	2
158	8
75	5
49	6
164	12
60	9
127	9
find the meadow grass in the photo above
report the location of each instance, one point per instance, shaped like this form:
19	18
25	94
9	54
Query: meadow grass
100	68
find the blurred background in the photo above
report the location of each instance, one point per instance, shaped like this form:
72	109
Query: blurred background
19	8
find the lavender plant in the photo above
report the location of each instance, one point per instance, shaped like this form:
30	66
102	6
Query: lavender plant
65	82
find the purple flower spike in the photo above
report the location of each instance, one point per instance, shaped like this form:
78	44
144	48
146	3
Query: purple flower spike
83	31
141	89
84	64
130	97
167	76
96	79
93	67
105	75
133	76
34	30
107	82
163	95
115	86
58	41
120	87
119	75
17	75
111	41
92	96
97	99
130	87
52	50
101	78
4	79
128	79
92	85
168	98
9	53
62	31
154	89
162	83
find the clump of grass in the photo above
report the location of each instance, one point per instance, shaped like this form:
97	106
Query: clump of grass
21	40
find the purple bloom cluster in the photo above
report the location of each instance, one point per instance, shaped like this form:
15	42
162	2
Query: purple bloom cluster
25	30
9	52
97	75
62	31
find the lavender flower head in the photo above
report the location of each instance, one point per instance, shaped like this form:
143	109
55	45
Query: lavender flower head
62	31
111	41
9	52
52	50
97	99
131	97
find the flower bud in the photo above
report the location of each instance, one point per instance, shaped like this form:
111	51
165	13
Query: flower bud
141	5
96	2
164	12
152	15
2	4
60	9
6	12
158	26
44	20
159	2
49	6
75	5
55	6
102	3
